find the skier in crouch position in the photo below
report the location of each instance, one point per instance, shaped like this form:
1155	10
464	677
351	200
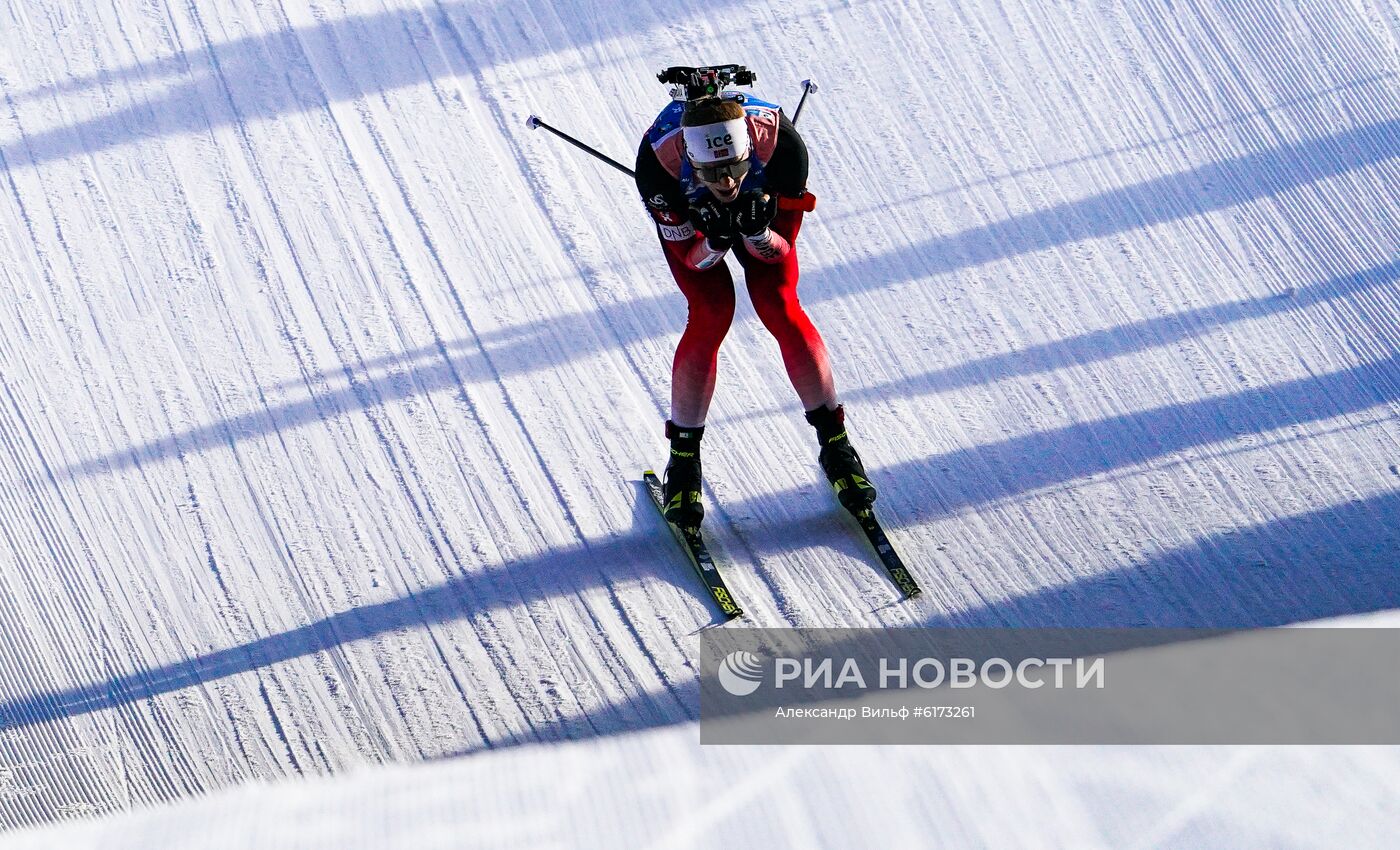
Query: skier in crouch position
729	172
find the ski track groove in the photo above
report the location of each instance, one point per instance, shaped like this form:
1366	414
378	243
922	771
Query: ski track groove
445	276
395	446
459	44
66	558
451	561
244	627
417	219
241	131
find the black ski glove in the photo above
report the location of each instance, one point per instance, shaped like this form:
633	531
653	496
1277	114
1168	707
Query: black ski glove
713	220
753	212
719	244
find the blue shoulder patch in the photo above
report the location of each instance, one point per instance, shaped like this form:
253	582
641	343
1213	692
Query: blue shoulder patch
668	120
751	101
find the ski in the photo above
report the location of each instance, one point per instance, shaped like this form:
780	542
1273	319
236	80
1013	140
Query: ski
889	558
699	553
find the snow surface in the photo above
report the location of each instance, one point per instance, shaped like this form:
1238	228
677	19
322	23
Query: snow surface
326	386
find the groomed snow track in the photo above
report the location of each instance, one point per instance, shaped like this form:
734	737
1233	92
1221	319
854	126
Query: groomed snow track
326	387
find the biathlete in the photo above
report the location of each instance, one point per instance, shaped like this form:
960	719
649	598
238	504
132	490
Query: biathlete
727	173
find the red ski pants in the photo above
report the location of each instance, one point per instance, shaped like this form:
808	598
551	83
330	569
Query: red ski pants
772	289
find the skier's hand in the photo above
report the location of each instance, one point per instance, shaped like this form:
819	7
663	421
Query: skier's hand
753	212
712	219
719	244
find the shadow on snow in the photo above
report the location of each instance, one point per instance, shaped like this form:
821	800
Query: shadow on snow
1336	561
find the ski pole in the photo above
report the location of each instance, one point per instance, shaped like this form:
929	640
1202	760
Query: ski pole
807	88
534	121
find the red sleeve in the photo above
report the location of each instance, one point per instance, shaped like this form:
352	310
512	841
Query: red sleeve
768	246
694	253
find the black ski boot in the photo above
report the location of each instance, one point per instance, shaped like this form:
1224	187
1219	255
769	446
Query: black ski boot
683	506
839	459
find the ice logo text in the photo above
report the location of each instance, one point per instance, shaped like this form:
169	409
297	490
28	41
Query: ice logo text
740	673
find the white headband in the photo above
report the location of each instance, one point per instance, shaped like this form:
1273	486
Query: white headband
720	142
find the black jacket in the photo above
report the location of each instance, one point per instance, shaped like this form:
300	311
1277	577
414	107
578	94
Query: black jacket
785	174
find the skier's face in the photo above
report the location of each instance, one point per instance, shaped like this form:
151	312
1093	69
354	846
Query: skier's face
723	180
725	190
